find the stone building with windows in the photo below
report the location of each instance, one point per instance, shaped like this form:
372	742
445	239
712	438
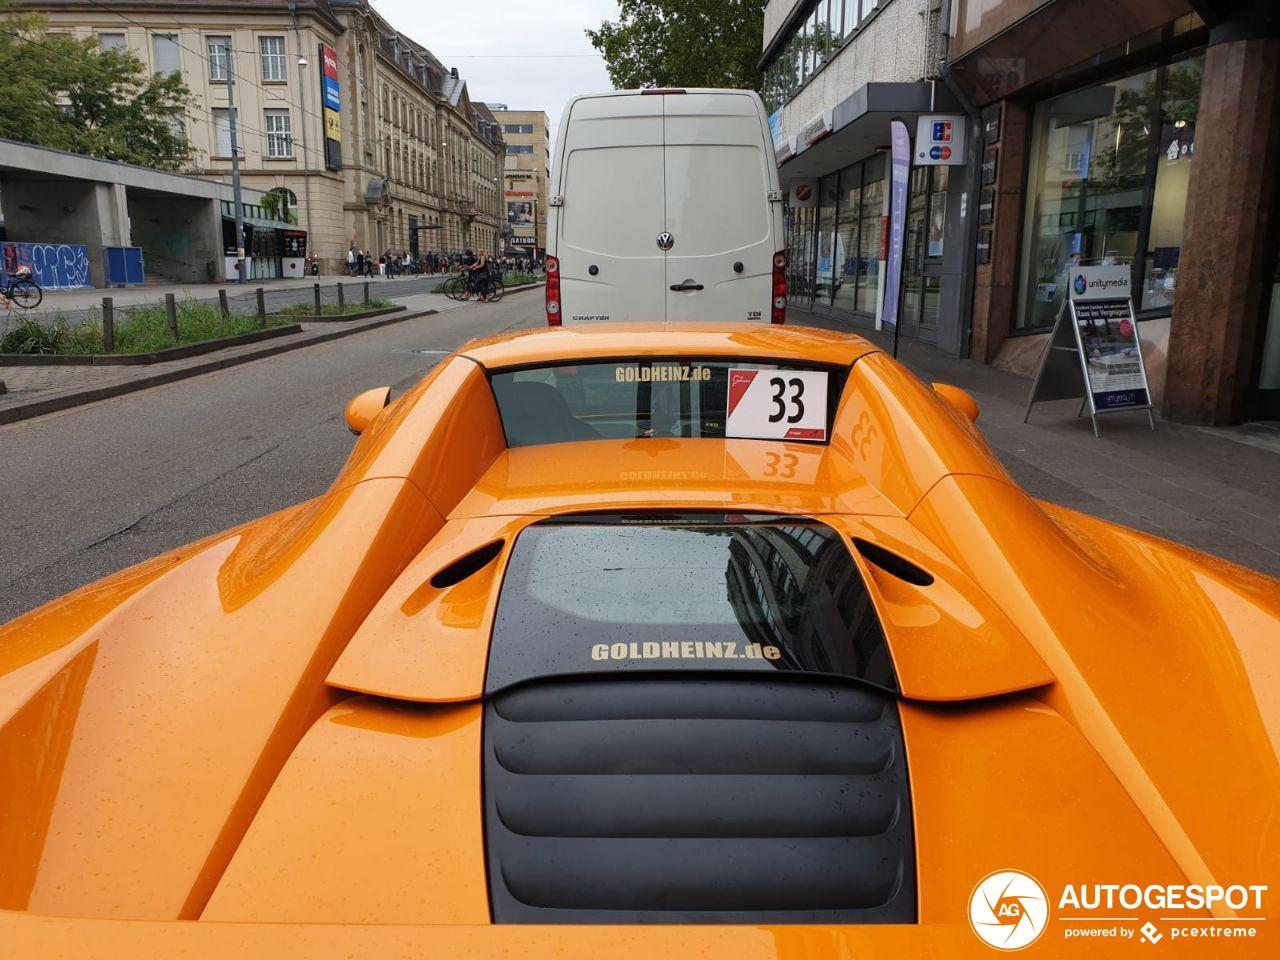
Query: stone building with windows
525	174
424	161
406	161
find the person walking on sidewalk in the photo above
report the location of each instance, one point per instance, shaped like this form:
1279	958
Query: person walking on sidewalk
351	261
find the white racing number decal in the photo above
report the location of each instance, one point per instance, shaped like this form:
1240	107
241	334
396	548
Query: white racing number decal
777	405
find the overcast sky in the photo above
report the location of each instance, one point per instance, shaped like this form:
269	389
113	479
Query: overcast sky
528	54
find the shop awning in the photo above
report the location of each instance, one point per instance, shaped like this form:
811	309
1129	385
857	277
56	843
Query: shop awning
859	125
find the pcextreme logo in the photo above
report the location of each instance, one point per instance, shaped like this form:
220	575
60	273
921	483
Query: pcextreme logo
1008	910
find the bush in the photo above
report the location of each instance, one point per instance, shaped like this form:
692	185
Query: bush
143	329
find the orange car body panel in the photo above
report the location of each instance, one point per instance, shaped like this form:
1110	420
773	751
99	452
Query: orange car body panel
268	743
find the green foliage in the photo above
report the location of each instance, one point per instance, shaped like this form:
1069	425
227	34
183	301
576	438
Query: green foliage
143	329
67	93
683	43
275	204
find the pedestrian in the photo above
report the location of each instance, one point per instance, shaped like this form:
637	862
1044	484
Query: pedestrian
367	257
357	257
351	261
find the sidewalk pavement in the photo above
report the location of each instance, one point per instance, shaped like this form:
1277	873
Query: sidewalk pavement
1215	490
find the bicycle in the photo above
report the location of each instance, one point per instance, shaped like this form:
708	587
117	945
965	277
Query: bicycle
21	291
463	287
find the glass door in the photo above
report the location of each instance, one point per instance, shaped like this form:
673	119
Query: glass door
922	259
1265	403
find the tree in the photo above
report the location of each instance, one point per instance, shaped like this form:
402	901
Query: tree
70	94
683	43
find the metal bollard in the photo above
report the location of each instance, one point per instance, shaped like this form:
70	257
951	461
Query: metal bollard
262	307
171	314
342	299
366	293
317	298
108	325
223	305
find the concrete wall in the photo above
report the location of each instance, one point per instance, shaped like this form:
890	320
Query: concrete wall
181	238
71	212
889	49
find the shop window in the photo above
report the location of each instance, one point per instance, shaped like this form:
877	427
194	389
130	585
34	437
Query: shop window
871	222
846	253
1180	102
825	266
1108	185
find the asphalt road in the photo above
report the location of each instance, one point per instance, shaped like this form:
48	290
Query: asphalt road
101	487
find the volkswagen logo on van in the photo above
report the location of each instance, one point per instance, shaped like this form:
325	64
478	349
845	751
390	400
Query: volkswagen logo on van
665	241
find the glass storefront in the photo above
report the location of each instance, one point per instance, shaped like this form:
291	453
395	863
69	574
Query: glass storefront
1109	170
833	248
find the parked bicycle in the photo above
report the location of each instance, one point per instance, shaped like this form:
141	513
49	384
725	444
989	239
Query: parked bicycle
21	291
464	287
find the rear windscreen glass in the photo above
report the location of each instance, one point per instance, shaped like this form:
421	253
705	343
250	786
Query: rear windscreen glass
611	594
667	398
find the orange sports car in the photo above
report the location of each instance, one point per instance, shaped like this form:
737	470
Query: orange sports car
630	642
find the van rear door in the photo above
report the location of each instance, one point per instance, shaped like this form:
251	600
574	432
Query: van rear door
611	181
717	211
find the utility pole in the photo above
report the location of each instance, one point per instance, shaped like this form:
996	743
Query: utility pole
235	164
302	99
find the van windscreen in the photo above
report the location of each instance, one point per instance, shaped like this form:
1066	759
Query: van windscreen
667	397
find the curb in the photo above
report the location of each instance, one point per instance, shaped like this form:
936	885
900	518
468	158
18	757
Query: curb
349	318
38	408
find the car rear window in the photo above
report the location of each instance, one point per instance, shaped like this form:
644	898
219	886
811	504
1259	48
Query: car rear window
603	594
667	397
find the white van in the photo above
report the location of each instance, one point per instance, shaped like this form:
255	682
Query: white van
664	205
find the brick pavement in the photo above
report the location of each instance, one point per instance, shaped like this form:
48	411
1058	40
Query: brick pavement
1216	490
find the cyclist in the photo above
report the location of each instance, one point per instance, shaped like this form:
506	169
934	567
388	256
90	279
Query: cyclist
480	276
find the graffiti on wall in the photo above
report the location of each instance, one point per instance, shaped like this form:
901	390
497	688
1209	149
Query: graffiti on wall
55	266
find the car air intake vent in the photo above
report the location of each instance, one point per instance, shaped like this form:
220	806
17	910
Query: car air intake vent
697	800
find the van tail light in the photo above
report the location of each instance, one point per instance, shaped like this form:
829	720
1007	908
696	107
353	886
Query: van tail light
553	292
778	307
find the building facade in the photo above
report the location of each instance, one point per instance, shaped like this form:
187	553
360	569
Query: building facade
525	174
1142	134
836	72
388	154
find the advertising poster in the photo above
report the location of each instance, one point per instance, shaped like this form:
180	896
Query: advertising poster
329	78
520	215
331	104
1108	337
900	174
